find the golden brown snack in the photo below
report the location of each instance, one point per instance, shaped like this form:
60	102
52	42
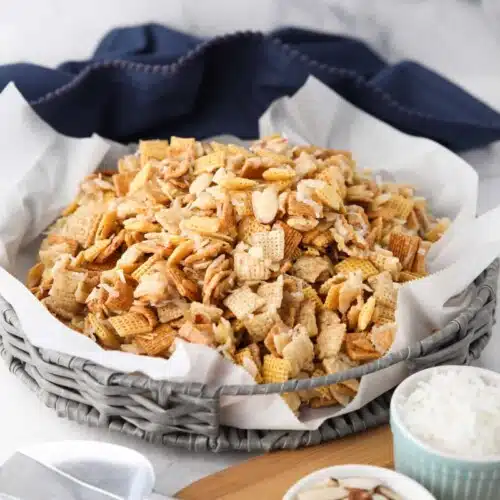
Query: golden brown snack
287	260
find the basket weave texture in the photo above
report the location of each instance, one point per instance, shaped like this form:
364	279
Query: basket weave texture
188	414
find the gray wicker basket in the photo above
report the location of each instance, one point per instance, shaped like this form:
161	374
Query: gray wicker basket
187	414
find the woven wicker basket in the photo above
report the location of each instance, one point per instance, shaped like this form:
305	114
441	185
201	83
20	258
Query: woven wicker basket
187	414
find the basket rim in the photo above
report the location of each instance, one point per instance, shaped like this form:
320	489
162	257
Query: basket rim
485	285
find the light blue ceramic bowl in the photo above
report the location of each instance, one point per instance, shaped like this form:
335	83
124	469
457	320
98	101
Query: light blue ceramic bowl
446	476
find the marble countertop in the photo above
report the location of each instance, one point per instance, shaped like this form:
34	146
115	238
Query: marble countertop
457	38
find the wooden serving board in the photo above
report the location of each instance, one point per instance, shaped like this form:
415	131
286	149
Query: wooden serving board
268	477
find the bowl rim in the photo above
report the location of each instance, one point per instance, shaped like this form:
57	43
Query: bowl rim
362	470
396	418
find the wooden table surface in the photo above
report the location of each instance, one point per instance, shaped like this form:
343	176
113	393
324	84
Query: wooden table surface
269	476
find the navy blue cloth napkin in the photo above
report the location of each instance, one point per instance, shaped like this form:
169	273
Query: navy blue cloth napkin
151	81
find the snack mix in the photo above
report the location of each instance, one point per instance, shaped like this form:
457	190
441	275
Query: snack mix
286	260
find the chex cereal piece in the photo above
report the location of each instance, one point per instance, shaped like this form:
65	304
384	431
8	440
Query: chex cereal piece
251	268
385	261
330	338
59	308
82	226
184	286
272	244
366	313
299	351
106	225
400	206
322	394
307	317
419	265
330	196
147	312
341	393
359	348
63	290
152	150
141	178
360	339
310	293
383	314
292	399
122	182
404	247
243	302
71	244
91	253
281	339
130	324
339	364
275	370
354	264
412	222
382	337
310	268
210	162
292	239
158	341
383	289
103	333
332	298
437	230
248	226
147	266
182	143
334	280
272	293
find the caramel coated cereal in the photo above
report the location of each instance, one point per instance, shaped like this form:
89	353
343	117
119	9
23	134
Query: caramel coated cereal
286	260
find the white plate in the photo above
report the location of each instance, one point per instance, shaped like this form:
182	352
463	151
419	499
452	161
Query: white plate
406	487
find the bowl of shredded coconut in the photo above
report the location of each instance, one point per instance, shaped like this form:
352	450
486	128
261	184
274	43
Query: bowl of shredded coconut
445	423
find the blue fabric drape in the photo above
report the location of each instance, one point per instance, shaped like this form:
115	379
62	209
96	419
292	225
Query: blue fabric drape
152	81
